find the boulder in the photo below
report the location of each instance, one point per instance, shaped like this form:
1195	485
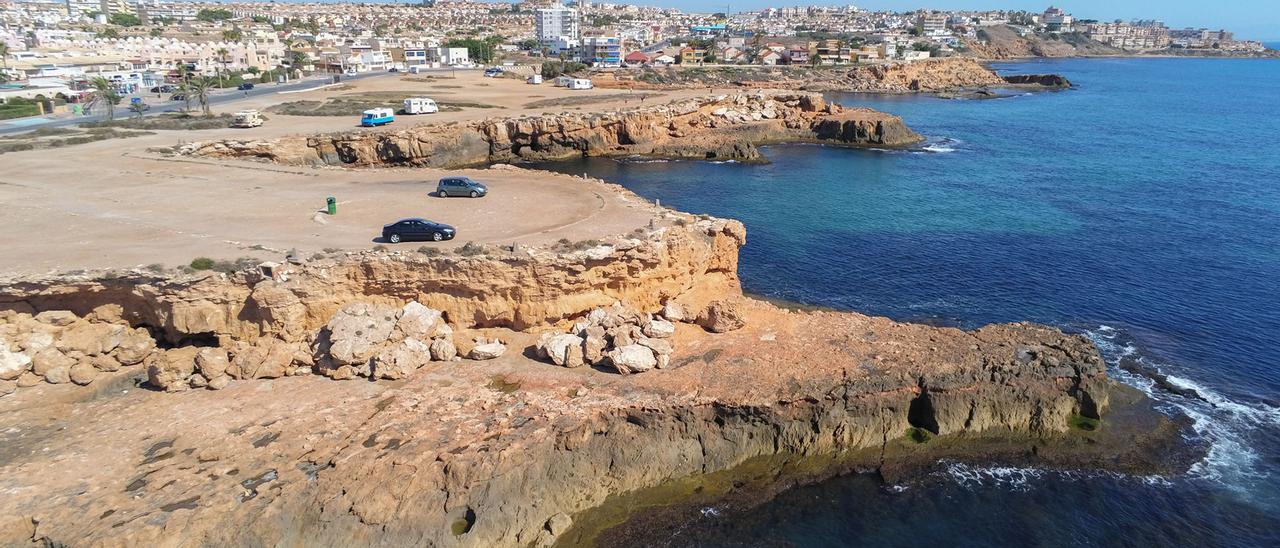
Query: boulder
268	359
58	375
559	348
83	373
673	312
661	347
632	358
558	524
12	364
135	347
8	387
357	332
35	341
60	318
398	361
105	363
29	379
107	313
659	329
422	323
721	317
169	370
488	351
51	358
219	383
91	339
594	345
212	362
443	350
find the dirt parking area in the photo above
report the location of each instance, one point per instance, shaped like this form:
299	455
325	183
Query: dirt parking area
111	204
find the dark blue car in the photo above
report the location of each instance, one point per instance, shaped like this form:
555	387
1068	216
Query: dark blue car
406	230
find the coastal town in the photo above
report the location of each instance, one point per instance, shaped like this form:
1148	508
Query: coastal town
341	274
53	50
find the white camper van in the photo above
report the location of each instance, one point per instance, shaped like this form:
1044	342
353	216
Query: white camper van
534	79
420	105
563	81
580	83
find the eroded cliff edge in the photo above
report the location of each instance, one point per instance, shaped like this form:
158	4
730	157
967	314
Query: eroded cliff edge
717	127
502	452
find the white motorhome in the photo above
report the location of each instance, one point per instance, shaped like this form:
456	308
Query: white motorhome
580	83
420	105
563	81
534	79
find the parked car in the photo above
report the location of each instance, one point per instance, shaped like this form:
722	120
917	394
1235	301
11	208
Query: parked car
166	88
177	97
493	72
406	230
393	69
460	186
246	86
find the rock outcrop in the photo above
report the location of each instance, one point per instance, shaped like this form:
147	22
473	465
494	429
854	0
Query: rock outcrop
718	128
1038	80
627	340
930	75
59	347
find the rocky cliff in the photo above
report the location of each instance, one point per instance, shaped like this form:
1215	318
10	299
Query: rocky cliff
511	446
720	128
931	75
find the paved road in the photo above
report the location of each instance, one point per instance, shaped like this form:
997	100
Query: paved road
165	105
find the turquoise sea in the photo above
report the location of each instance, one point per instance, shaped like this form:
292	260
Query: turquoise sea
1141	208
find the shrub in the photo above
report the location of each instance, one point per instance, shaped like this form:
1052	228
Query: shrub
155	267
379	247
918	435
202	263
471	249
585	244
429	251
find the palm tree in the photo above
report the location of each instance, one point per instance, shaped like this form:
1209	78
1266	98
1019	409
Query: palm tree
222	56
200	87
4	54
105	92
138	108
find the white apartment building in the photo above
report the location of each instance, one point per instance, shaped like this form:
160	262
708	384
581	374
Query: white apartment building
556	27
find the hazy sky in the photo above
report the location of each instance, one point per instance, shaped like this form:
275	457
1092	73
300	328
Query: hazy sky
1257	19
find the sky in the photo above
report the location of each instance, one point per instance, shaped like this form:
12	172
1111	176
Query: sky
1250	19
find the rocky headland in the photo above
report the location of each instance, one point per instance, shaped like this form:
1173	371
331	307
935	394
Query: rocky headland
715	128
493	397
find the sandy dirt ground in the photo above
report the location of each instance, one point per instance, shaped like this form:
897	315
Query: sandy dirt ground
111	204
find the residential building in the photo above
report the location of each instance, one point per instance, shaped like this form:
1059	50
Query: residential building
692	56
932	23
557	26
602	51
1056	20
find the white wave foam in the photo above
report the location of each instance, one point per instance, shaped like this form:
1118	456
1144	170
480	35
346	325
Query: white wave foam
1010	477
937	149
1216	419
710	512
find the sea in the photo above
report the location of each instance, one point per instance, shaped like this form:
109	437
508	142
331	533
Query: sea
1140	208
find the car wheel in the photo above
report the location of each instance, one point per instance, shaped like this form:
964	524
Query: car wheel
437	236
442	194
395	238
475	194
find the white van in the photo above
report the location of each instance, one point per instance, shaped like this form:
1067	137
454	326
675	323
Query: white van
580	83
420	105
563	81
534	79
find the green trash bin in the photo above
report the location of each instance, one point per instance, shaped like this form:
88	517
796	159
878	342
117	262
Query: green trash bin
333	205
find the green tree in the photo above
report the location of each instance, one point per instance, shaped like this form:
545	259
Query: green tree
124	19
138	108
214	15
222	58
109	33
105	93
156	32
4	54
200	87
233	35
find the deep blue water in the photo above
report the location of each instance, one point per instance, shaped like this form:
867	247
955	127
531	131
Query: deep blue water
1141	208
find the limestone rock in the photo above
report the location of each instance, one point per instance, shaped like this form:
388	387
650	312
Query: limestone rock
443	350
60	318
91	339
632	358
357	332
673	312
219	383
488	351
58	375
269	359
83	373
169	370
32	343
594	345
721	317
660	329
212	362
421	322
8	387
29	379
51	358
558	524
399	360
105	363
107	313
135	347
12	364
557	347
